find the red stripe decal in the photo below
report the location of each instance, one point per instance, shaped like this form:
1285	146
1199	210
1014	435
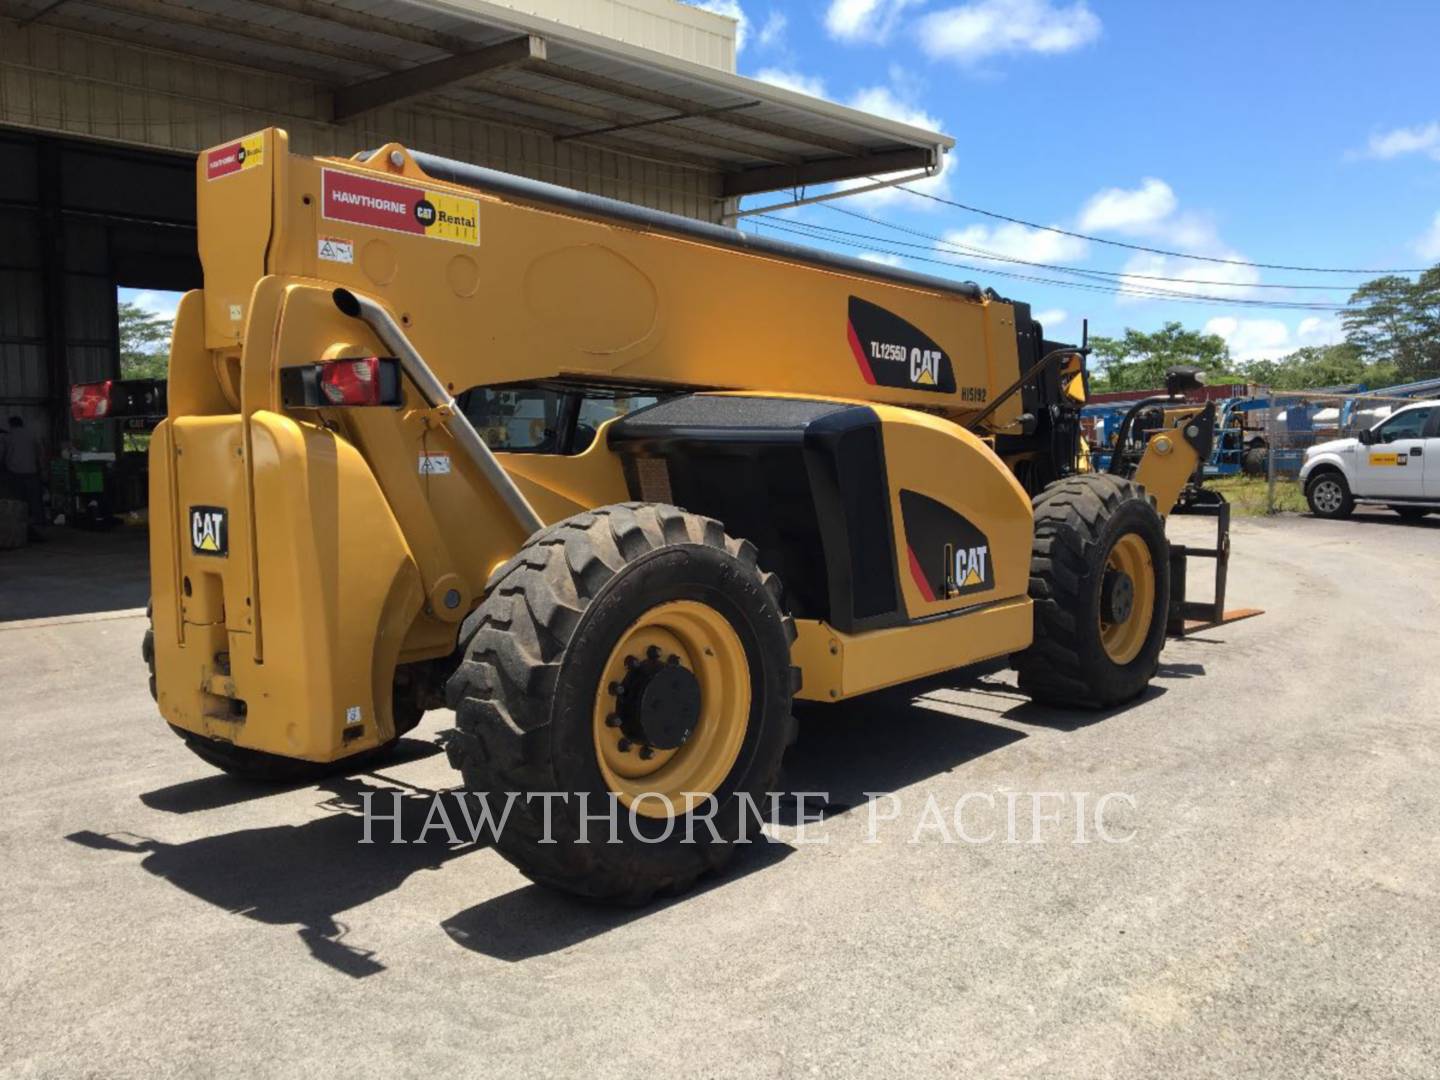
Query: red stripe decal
859	352
919	576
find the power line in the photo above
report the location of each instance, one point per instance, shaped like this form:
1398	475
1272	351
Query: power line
1151	250
968	249
1110	289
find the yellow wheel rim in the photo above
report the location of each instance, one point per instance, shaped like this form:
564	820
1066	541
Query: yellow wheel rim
1124	637
703	642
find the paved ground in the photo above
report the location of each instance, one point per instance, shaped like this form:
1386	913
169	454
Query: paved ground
1276	914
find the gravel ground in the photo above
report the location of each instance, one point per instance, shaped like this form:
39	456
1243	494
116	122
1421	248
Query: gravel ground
1274	913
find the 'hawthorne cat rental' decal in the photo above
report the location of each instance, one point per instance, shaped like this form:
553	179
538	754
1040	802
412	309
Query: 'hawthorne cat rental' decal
382	204
892	352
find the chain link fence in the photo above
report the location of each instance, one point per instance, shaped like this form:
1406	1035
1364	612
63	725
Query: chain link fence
1290	424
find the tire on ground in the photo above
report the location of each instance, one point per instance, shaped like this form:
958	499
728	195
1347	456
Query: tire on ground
1079	521
1329	495
1255	462
527	696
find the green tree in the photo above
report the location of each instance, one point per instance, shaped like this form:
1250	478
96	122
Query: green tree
144	343
1138	360
1396	321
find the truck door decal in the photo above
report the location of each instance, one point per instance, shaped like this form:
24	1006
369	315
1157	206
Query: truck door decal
892	352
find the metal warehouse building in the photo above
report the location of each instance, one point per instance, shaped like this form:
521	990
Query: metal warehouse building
104	103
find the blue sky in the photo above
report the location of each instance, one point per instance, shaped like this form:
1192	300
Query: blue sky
1279	131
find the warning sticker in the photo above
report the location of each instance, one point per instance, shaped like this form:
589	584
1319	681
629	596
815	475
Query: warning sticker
381	204
334	249
434	464
236	157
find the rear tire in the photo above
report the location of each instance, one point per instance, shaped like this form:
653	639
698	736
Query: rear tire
1090	532
1328	494
531	698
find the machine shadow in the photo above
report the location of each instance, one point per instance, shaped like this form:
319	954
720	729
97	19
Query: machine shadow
306	875
1046	716
877	744
217	790
534	921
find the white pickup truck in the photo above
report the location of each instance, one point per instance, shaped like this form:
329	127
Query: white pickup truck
1395	463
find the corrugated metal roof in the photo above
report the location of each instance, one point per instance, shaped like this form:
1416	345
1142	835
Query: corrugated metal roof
573	85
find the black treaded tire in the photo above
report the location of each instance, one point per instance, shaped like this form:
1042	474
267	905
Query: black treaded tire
1412	513
1078	520
524	695
1255	461
1322	503
246	764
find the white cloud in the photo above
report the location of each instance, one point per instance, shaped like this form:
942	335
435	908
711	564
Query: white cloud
1051	317
155	302
883	101
1428	245
972	32
882	258
1018	242
772	31
869	21
794	80
1270	339
1226	281
1424	139
1314	330
1132	211
730	9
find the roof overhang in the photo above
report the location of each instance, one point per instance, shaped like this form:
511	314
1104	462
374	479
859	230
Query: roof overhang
472	58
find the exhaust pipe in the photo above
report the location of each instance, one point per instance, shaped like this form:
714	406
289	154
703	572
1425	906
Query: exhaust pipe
433	391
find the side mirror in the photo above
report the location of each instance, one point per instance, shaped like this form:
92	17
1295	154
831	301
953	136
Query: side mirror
1366	436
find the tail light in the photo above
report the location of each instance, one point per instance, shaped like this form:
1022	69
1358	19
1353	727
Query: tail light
350	383
90	401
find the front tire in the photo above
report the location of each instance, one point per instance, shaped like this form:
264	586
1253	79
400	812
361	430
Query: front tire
592	619
1328	494
1100	582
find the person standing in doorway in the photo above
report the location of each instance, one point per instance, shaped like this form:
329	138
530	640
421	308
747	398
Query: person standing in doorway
24	459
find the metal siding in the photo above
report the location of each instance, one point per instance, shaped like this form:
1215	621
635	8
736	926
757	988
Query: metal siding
155	99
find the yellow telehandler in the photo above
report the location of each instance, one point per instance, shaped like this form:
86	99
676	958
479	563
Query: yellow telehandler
619	486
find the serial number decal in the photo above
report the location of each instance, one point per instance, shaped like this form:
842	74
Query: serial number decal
891	352
382	204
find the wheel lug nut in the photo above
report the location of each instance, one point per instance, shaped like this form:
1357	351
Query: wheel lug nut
615	689
613	720
653	652
631	662
625	745
672	659
646	753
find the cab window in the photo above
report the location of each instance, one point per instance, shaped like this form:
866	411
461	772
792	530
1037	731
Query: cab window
540	420
1409	424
